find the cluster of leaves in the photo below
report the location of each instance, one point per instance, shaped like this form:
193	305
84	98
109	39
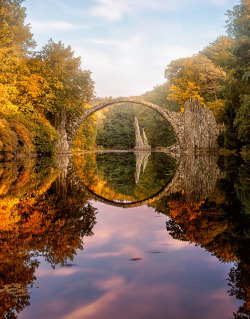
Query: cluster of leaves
22	134
36	86
68	87
195	77
219	77
86	136
237	110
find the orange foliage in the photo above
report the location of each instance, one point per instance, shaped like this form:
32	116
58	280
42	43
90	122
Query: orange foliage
181	206
204	226
31	223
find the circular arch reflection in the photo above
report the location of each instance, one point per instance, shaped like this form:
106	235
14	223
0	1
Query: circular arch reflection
168	188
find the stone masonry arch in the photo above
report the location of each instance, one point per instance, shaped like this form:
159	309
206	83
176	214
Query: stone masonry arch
195	129
173	118
195	175
173	186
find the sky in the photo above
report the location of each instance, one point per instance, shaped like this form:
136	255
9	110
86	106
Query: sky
127	44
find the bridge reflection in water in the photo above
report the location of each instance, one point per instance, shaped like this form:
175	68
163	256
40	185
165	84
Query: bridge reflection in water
141	163
196	176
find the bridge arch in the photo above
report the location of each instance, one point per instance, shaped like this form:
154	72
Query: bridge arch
195	175
175	119
196	129
174	185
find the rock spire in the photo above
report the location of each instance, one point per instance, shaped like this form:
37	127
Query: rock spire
141	142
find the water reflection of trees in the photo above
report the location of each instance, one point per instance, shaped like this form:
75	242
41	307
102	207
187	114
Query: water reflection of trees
44	213
36	220
115	175
219	223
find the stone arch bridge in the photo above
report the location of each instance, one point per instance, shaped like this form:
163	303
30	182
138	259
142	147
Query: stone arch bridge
195	129
195	175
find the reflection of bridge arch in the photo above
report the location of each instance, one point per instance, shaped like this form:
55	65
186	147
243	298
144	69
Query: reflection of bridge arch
195	175
172	187
175	119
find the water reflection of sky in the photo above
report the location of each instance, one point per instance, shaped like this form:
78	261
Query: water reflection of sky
132	268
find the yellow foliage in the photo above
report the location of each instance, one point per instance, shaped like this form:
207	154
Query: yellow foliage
8	217
203	226
193	78
216	106
182	90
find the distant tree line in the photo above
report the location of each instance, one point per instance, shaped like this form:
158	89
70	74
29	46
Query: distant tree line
116	129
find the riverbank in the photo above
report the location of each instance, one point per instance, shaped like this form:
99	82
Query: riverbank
26	134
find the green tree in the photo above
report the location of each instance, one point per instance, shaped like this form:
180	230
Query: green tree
117	130
237	111
220	52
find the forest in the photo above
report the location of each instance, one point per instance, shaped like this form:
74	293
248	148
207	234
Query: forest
41	91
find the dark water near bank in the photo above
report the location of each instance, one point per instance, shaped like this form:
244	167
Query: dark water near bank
125	235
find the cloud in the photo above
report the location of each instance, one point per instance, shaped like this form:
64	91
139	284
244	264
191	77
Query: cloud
221	2
100	41
129	67
114	10
127	44
110	10
59	272
55	25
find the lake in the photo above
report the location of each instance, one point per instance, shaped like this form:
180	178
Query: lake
125	235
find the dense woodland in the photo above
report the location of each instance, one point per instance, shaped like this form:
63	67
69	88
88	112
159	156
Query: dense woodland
39	88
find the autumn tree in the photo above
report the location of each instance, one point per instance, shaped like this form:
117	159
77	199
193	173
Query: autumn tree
14	33
86	135
22	127
195	77
68	88
231	52
15	42
34	85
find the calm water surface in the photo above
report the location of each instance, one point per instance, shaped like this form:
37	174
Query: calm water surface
118	235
